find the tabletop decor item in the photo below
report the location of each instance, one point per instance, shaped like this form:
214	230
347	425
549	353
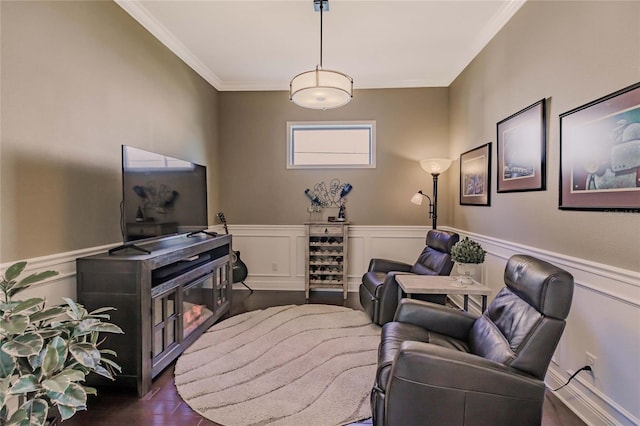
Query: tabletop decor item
521	146
467	254
326	196
46	352
475	179
600	154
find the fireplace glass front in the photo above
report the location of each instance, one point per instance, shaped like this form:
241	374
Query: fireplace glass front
197	303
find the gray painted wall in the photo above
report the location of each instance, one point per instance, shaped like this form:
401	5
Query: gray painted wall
78	80
257	188
569	53
81	78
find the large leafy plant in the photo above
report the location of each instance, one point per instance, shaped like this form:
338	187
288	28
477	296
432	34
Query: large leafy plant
467	251
46	353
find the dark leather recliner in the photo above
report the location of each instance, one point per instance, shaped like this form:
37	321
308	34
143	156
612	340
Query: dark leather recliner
442	366
379	289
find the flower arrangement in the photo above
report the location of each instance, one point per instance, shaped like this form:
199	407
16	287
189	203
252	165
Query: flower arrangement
467	251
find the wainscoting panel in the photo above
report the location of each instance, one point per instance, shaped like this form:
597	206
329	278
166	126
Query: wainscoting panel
402	243
54	289
604	321
604	318
356	256
269	254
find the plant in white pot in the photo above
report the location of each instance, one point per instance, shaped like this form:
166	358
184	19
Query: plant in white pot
467	254
46	352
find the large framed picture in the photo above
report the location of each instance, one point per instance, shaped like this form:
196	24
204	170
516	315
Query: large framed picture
475	177
521	148
600	154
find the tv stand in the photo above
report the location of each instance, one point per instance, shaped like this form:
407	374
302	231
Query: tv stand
166	295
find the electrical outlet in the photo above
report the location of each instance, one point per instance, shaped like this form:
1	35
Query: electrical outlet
591	361
274	266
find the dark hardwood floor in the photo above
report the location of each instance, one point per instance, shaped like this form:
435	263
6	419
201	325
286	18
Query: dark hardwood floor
163	406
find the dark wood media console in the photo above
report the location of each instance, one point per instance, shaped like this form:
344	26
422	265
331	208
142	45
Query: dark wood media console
165	300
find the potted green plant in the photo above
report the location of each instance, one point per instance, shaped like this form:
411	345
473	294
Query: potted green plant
46	352
467	254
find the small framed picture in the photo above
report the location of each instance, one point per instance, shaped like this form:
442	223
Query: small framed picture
521	150
475	176
600	154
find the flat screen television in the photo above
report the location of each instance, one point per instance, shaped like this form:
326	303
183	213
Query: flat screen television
161	195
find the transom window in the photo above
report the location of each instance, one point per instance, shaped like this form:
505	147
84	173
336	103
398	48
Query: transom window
331	144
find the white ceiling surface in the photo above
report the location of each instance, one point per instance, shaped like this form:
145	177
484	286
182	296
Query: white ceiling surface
261	45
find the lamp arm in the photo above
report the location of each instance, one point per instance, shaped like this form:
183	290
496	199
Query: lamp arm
431	212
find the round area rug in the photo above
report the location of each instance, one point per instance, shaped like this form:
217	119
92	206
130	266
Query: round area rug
286	365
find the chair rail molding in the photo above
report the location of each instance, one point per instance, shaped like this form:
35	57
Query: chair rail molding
603	321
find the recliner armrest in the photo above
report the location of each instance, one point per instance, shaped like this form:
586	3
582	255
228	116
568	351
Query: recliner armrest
457	385
439	366
386	265
437	318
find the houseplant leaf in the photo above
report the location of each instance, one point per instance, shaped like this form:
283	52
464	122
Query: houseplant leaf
105	327
66	411
103	372
14	324
25	305
47	314
86	354
31	279
5	383
48	334
36	277
24	345
25	384
7	364
54	356
58	386
70	376
14	271
76	311
31	413
95	312
73	396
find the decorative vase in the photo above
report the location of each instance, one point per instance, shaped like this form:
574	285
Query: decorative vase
465	270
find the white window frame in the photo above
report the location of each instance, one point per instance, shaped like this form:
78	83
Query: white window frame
330	129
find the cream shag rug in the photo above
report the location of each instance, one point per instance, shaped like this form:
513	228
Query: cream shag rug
286	365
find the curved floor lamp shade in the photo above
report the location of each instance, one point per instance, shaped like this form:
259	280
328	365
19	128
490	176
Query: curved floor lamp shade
417	198
320	88
435	166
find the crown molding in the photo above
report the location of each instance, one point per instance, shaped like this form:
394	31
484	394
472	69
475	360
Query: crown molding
489	31
159	31
138	12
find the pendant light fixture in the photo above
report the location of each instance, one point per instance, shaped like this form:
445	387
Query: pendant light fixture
320	88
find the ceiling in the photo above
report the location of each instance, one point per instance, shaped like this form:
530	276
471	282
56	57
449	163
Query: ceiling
261	45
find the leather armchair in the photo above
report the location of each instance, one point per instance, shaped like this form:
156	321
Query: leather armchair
441	366
379	289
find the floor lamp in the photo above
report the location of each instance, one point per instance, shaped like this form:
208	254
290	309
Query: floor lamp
435	166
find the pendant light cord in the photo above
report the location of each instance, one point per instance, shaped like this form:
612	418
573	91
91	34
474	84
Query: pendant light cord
321	7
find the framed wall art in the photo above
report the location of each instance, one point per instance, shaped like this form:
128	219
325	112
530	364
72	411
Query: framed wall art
521	149
475	177
600	154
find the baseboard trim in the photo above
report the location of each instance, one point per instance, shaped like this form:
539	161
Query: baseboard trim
585	407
